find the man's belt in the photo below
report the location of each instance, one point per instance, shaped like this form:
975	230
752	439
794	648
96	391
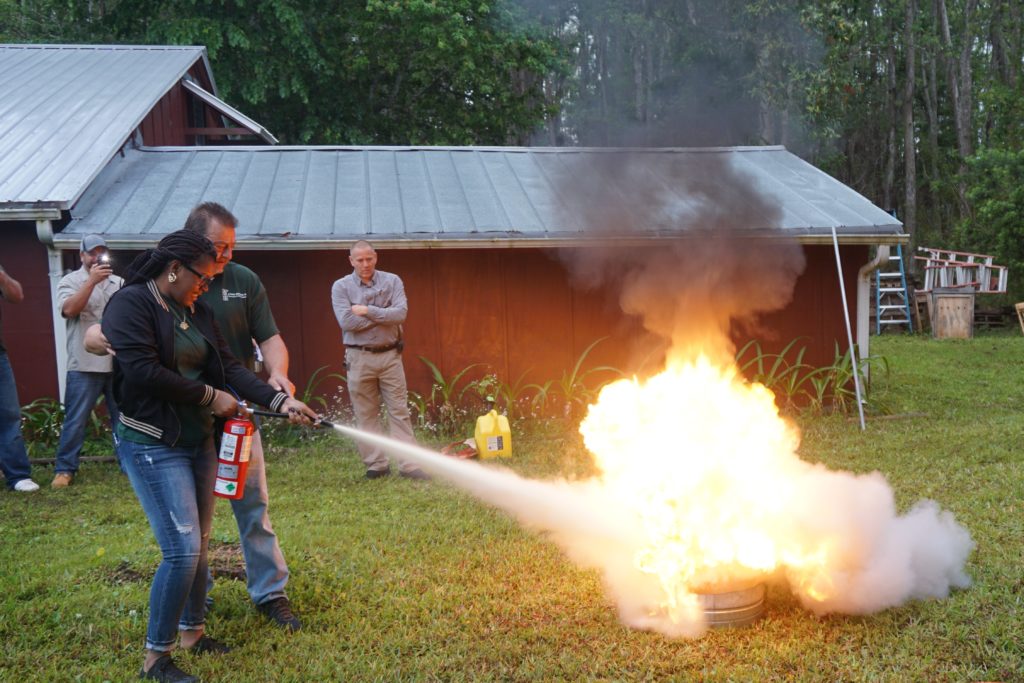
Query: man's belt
374	349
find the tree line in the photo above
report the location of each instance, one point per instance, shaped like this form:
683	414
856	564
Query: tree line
917	104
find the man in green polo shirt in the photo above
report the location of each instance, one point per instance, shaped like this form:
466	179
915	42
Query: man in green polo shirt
239	301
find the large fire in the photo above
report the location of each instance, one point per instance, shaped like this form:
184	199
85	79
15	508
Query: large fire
701	492
707	465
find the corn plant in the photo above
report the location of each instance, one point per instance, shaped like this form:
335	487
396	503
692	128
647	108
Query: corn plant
786	379
445	401
796	383
309	394
539	402
833	385
513	395
572	384
418	409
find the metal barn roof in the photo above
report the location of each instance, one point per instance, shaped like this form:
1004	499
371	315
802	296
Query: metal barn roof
325	197
67	109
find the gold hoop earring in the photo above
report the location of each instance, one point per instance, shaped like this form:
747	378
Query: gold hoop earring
172	277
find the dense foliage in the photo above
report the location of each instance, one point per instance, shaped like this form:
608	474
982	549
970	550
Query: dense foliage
905	101
338	71
996	195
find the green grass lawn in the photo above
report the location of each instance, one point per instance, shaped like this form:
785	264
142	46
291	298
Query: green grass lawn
402	580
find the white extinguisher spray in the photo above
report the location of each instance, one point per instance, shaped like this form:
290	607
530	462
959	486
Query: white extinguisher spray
233	458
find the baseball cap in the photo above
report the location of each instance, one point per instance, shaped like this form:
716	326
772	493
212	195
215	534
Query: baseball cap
90	242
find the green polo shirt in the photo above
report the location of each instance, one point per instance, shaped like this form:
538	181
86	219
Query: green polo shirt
242	310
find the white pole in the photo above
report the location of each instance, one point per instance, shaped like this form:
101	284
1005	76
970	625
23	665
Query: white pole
849	332
864	302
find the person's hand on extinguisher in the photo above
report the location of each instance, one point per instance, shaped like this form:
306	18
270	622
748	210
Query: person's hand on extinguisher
299	412
224	404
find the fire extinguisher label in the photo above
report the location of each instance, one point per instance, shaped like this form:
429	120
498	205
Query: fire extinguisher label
243	456
227	447
238	429
227	471
225	488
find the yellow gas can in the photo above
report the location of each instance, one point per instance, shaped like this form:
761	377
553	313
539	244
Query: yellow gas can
493	435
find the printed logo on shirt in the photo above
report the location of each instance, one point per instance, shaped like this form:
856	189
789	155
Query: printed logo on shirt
226	295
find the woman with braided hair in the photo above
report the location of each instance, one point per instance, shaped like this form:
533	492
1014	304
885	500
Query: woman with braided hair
172	374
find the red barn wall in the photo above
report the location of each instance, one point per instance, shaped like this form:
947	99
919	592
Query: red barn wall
27	328
514	312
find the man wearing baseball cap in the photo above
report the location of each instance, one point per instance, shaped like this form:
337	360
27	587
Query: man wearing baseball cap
82	296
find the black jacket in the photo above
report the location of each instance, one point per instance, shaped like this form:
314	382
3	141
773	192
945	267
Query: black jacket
140	329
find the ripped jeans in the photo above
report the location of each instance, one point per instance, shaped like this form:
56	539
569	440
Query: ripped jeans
175	487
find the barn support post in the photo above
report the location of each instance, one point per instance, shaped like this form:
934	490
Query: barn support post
44	230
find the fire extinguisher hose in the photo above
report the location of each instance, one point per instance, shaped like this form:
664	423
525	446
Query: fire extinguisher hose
269	413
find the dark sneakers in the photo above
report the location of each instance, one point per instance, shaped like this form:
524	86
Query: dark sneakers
279	611
377	474
165	670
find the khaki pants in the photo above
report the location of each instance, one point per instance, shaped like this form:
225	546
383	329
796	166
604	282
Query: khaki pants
372	377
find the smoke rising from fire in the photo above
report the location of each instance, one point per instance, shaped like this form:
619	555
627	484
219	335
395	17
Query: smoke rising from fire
718	260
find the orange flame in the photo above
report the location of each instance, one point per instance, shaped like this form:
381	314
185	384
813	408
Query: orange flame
709	467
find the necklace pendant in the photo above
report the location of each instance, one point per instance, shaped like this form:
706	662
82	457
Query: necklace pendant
183	325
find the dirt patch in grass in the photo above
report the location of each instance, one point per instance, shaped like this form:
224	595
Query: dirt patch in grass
125	573
226	560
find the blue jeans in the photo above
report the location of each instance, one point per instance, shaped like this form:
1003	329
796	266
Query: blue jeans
266	572
80	394
175	487
265	569
13	457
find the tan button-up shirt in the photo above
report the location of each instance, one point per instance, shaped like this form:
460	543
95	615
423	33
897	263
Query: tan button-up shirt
79	359
384	296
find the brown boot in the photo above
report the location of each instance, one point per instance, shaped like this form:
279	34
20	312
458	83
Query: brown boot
62	480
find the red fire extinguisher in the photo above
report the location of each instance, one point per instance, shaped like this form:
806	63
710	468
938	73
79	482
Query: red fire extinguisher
233	458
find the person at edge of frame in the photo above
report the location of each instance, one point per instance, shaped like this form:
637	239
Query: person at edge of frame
13	456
